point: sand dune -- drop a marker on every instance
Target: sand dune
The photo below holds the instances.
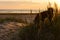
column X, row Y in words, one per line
column 9, row 31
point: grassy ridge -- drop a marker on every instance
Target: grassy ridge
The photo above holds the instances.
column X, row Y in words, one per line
column 30, row 32
column 11, row 19
column 50, row 32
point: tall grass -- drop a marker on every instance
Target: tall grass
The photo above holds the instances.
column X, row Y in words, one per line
column 48, row 32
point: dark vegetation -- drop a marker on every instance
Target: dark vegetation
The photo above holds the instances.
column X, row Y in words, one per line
column 31, row 32
column 47, row 32
column 11, row 19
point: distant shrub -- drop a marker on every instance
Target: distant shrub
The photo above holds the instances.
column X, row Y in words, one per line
column 11, row 19
column 2, row 20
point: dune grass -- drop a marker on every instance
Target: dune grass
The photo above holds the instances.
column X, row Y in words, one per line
column 11, row 19
column 49, row 32
column 31, row 32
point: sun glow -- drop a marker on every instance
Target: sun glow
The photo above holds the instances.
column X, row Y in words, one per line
column 56, row 1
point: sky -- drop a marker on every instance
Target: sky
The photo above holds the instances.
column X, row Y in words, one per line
column 25, row 4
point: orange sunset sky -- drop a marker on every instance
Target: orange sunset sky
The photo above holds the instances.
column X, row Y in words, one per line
column 26, row 4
